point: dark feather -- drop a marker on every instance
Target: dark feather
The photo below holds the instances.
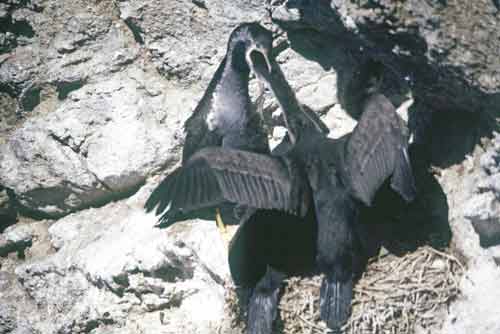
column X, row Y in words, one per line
column 197, row 133
column 377, row 149
column 217, row 175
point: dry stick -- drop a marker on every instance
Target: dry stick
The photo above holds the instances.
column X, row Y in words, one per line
column 392, row 296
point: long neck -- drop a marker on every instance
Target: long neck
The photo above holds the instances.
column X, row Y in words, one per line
column 236, row 58
column 230, row 99
column 296, row 119
column 234, row 82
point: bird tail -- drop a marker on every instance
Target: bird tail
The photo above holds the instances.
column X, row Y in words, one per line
column 263, row 306
column 335, row 302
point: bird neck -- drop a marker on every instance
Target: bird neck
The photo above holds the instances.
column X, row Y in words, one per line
column 297, row 121
column 234, row 79
column 236, row 58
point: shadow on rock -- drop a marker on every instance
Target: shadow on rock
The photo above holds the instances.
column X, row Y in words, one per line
column 400, row 227
column 397, row 226
column 451, row 112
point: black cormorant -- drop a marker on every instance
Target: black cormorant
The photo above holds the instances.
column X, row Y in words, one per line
column 344, row 174
column 227, row 164
column 224, row 117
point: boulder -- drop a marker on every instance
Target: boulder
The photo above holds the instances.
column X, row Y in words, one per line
column 113, row 268
column 99, row 145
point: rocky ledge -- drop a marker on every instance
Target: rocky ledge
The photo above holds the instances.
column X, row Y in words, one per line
column 93, row 95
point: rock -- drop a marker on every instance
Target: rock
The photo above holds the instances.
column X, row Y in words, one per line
column 7, row 211
column 191, row 40
column 73, row 43
column 15, row 238
column 483, row 209
column 114, row 270
column 13, row 301
column 82, row 83
column 338, row 121
column 8, row 117
column 476, row 311
column 488, row 231
column 7, row 321
column 472, row 215
column 443, row 47
column 438, row 44
column 490, row 163
column 92, row 101
column 481, row 206
column 100, row 144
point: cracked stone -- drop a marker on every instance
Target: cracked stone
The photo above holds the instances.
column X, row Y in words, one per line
column 98, row 146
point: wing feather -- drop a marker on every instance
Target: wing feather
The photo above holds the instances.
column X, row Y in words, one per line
column 377, row 150
column 216, row 175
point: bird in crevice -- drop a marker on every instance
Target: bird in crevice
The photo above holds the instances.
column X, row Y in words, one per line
column 319, row 182
column 227, row 170
column 344, row 175
column 225, row 115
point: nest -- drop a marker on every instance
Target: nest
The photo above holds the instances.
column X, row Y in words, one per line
column 395, row 295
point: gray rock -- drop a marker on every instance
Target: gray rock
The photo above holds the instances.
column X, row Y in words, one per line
column 13, row 306
column 15, row 238
column 434, row 47
column 92, row 101
column 7, row 321
column 99, row 144
column 476, row 311
column 8, row 117
column 71, row 42
column 7, row 211
column 114, row 270
column 488, row 231
column 188, row 42
column 481, row 206
column 490, row 163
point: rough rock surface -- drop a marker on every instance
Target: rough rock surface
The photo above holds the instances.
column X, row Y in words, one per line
column 100, row 143
column 7, row 211
column 111, row 267
column 93, row 95
column 472, row 199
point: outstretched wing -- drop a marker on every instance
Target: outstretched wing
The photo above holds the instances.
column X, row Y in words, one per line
column 216, row 175
column 377, row 150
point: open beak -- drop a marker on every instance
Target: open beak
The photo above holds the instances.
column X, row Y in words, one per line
column 258, row 59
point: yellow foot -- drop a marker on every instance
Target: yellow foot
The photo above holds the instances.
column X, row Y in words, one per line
column 226, row 236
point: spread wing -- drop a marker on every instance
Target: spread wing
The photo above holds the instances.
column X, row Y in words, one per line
column 216, row 175
column 378, row 149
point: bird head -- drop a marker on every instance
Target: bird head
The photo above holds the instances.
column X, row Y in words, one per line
column 255, row 42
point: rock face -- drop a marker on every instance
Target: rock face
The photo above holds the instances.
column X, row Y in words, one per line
column 93, row 96
column 100, row 143
column 110, row 263
column 7, row 212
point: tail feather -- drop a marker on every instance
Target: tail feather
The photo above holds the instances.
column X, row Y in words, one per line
column 263, row 306
column 335, row 302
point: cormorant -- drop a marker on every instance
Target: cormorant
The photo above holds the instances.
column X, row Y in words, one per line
column 344, row 174
column 224, row 117
column 227, row 165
